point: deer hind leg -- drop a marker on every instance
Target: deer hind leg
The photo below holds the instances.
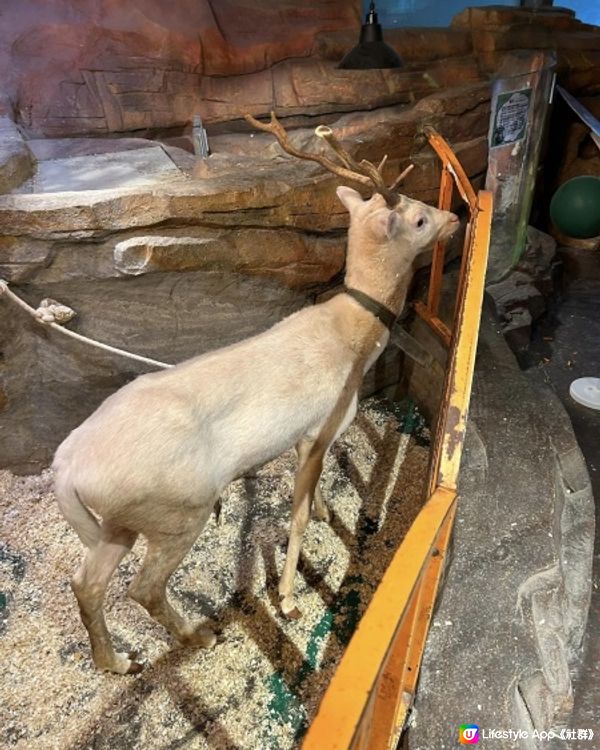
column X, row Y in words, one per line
column 149, row 588
column 89, row 586
column 310, row 465
column 320, row 511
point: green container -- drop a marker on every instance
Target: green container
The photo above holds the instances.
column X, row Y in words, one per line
column 575, row 207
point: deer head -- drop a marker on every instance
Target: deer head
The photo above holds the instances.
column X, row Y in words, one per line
column 412, row 224
column 387, row 231
column 383, row 242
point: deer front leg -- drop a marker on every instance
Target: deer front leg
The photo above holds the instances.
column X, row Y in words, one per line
column 320, row 511
column 310, row 456
column 310, row 466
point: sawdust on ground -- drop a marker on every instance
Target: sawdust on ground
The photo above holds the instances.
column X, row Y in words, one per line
column 261, row 685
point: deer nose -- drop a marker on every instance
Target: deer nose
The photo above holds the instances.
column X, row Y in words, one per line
column 452, row 225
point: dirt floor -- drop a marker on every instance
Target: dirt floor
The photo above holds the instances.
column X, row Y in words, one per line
column 260, row 686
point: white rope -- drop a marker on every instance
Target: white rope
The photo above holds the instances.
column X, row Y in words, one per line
column 49, row 311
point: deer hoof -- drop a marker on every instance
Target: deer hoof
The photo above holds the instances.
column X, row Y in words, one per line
column 322, row 513
column 295, row 614
column 201, row 637
column 135, row 667
column 121, row 664
column 289, row 609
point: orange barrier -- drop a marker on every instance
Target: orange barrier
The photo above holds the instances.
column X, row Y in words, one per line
column 372, row 690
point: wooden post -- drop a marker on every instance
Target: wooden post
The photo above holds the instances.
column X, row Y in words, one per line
column 520, row 99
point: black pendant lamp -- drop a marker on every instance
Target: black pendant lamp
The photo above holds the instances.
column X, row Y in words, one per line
column 371, row 51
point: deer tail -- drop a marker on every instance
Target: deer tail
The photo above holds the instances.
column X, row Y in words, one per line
column 76, row 514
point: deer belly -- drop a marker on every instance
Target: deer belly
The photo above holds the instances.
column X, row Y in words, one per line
column 266, row 427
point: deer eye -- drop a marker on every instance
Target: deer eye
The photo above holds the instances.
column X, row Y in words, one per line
column 421, row 222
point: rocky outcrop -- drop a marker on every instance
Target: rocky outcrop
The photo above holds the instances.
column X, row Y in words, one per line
column 522, row 297
column 498, row 29
column 106, row 69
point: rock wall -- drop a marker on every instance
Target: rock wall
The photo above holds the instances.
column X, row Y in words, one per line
column 107, row 67
column 97, row 66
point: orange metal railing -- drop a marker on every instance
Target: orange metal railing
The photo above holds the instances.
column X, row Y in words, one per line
column 372, row 690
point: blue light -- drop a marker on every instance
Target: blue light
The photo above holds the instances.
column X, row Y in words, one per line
column 395, row 13
column 587, row 11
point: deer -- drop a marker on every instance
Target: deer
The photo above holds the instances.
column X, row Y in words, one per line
column 156, row 455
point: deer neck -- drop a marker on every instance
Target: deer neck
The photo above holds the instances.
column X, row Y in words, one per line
column 381, row 283
column 368, row 274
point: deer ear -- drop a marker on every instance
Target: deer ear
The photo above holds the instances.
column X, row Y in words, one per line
column 349, row 197
column 393, row 225
column 387, row 223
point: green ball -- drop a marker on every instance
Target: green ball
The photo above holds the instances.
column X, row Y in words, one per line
column 575, row 207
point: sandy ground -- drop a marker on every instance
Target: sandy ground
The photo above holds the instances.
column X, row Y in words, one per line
column 260, row 686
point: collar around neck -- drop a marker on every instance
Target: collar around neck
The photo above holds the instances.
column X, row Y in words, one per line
column 381, row 312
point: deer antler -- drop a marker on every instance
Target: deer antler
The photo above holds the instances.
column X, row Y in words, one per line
column 401, row 177
column 362, row 172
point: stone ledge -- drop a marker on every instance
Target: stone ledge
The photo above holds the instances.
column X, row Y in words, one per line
column 289, row 195
column 314, row 86
column 295, row 259
column 266, row 188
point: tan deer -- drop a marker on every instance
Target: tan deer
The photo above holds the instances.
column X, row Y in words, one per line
column 155, row 456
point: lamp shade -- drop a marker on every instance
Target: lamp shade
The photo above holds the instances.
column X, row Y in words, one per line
column 371, row 51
